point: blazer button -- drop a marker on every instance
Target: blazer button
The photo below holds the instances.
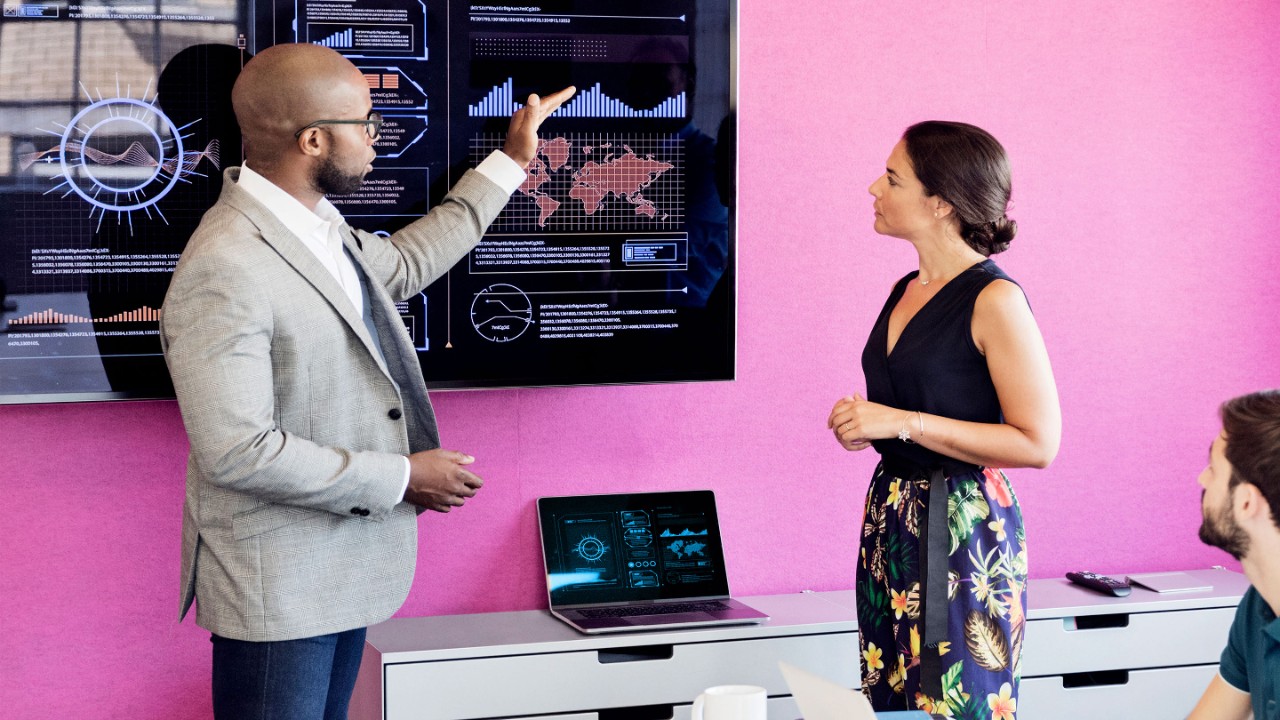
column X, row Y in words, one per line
column 395, row 414
column 359, row 511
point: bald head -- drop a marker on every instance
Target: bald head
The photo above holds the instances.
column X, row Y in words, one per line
column 286, row 87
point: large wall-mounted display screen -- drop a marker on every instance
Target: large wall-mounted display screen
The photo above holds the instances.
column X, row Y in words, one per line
column 613, row 263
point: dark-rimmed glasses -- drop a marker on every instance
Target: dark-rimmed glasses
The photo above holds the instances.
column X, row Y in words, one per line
column 372, row 125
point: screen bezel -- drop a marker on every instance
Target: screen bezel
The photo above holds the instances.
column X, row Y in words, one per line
column 149, row 379
column 551, row 509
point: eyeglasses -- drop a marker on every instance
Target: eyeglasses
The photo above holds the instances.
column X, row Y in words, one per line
column 372, row 125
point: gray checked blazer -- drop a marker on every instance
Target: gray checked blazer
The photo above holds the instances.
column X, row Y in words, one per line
column 293, row 525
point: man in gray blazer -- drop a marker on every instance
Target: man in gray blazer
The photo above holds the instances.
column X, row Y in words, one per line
column 313, row 443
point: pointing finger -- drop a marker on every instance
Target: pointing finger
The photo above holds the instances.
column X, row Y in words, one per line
column 552, row 102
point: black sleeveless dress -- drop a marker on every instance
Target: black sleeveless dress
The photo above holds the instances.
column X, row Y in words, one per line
column 952, row 646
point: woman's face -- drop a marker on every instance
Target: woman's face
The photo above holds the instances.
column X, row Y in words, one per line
column 902, row 207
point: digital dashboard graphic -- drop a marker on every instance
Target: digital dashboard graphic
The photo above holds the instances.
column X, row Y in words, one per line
column 135, row 179
column 590, row 103
column 600, row 547
column 613, row 262
column 596, row 182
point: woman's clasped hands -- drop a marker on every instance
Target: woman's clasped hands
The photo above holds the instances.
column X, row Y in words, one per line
column 855, row 421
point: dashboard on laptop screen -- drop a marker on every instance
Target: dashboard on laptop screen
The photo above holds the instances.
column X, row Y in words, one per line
column 601, row 549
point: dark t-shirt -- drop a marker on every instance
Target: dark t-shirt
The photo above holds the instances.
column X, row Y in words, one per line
column 1251, row 661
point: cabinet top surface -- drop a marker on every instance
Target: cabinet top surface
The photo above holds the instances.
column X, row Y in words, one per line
column 529, row 632
column 537, row 631
column 1058, row 597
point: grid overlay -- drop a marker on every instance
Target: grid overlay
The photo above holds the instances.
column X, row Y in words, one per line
column 614, row 213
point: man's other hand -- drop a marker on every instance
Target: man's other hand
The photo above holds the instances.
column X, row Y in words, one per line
column 440, row 481
column 522, row 134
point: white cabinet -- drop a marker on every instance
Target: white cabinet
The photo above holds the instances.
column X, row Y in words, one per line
column 521, row 664
column 1147, row 655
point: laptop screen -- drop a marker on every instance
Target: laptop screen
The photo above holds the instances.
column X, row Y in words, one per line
column 625, row 547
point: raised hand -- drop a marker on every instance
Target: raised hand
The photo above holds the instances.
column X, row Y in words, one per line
column 522, row 133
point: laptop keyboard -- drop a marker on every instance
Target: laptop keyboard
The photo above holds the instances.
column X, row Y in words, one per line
column 663, row 609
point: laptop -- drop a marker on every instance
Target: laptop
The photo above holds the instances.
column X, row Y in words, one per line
column 638, row 561
column 821, row 699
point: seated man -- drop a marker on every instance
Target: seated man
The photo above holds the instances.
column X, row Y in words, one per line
column 1241, row 505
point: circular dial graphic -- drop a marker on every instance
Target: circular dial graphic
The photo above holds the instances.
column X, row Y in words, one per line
column 121, row 155
column 590, row 548
column 501, row 312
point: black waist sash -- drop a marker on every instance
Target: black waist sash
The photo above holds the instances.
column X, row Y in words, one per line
column 935, row 548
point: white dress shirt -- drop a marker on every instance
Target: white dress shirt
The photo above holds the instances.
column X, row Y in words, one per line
column 320, row 231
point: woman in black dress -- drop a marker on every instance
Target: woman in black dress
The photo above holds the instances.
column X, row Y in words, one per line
column 958, row 385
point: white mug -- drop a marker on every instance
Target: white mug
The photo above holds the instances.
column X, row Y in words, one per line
column 731, row 702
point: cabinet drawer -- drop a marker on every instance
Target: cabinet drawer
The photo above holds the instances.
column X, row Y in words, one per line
column 575, row 682
column 1165, row 694
column 779, row 708
column 1056, row 646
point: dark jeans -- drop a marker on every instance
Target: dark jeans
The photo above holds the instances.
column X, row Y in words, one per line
column 306, row 679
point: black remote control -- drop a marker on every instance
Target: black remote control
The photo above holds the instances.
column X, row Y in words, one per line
column 1104, row 584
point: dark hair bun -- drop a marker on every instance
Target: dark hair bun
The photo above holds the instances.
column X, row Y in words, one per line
column 991, row 238
column 964, row 165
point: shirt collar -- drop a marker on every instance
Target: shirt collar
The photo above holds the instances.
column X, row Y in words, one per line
column 295, row 216
column 1266, row 618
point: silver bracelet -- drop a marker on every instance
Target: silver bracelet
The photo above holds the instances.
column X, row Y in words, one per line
column 904, row 432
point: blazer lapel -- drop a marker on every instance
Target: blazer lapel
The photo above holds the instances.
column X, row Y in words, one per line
column 399, row 352
column 386, row 317
column 304, row 262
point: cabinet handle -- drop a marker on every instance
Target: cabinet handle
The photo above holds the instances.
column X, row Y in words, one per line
column 1095, row 622
column 640, row 712
column 1098, row 678
column 637, row 654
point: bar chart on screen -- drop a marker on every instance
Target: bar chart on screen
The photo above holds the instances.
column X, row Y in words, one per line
column 589, row 103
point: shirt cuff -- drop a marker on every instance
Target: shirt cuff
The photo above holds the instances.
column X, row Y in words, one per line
column 405, row 487
column 503, row 171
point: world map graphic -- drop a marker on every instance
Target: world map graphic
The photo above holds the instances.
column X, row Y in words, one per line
column 604, row 171
column 687, row 549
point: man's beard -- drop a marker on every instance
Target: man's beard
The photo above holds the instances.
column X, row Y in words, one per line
column 1220, row 530
column 330, row 180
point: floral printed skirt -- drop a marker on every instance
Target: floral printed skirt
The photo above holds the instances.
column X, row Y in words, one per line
column 981, row 659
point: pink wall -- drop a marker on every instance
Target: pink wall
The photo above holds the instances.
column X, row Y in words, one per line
column 1144, row 153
